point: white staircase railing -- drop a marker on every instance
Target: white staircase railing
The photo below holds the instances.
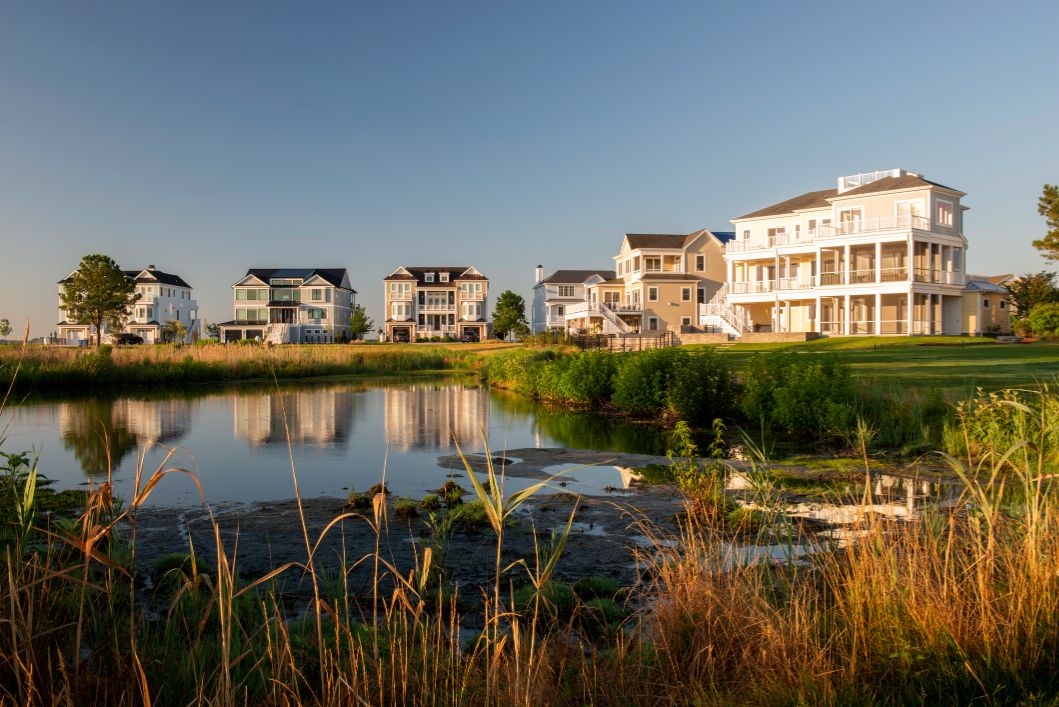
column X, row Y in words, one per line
column 617, row 322
column 735, row 317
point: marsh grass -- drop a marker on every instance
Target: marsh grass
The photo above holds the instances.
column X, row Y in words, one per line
column 955, row 606
column 42, row 367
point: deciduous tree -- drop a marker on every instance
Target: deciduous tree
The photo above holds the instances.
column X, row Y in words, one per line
column 510, row 315
column 359, row 322
column 98, row 293
column 5, row 327
column 1031, row 290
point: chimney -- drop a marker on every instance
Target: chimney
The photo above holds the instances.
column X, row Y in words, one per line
column 540, row 274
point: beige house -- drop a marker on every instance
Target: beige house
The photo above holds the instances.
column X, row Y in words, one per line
column 986, row 307
column 436, row 301
column 659, row 283
column 883, row 253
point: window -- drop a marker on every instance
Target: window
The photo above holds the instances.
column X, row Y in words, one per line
column 700, row 262
column 619, row 268
column 317, row 295
column 316, row 313
column 746, row 235
column 566, row 290
column 685, row 321
column 429, row 277
column 944, row 215
column 1003, row 304
column 652, row 323
column 444, row 277
column 685, row 294
column 812, row 225
column 560, row 311
column 985, row 303
column 652, row 264
column 652, row 294
column 400, row 289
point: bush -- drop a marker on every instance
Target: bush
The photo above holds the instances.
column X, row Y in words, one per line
column 589, row 378
column 806, row 397
column 644, row 379
column 702, row 389
column 1044, row 319
column 596, row 587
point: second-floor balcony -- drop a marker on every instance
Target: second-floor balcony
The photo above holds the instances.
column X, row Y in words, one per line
column 438, row 307
column 845, row 279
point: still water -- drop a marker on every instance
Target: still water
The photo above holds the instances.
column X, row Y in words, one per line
column 342, row 436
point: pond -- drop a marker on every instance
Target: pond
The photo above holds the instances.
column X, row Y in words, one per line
column 343, row 435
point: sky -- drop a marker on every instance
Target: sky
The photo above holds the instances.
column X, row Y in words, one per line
column 207, row 138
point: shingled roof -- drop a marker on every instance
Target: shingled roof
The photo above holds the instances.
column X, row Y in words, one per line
column 418, row 273
column 333, row 276
column 140, row 276
column 808, row 200
column 905, row 181
column 576, row 276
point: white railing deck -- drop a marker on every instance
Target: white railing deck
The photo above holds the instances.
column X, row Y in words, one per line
column 840, row 279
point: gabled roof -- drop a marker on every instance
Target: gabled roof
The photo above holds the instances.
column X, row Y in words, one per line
column 576, row 277
column 1001, row 279
column 146, row 276
column 336, row 277
column 655, row 240
column 905, row 181
column 808, row 200
column 418, row 273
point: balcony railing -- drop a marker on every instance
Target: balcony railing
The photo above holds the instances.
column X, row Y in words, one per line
column 752, row 287
column 436, row 307
column 874, row 225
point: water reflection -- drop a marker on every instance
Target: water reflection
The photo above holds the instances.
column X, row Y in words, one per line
column 426, row 416
column 343, row 435
column 315, row 416
column 102, row 432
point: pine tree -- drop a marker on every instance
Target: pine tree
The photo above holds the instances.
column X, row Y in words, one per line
column 98, row 293
column 1048, row 207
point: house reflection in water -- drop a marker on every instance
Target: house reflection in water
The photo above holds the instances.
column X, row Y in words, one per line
column 321, row 417
column 98, row 429
column 425, row 416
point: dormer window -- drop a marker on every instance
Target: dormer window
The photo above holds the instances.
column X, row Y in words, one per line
column 428, row 277
column 443, row 277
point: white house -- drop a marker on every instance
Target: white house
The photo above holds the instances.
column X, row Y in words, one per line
column 553, row 294
column 164, row 297
column 291, row 306
column 883, row 253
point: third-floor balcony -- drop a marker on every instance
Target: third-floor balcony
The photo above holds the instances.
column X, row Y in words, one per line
column 829, row 280
column 874, row 225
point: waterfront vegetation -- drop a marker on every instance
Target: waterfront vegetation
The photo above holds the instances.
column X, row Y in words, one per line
column 76, row 369
column 957, row 605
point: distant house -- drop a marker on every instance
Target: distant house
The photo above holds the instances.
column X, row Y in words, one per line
column 435, row 301
column 660, row 280
column 553, row 294
column 291, row 306
column 164, row 297
column 986, row 307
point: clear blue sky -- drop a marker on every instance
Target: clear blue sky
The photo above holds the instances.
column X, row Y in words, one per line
column 210, row 137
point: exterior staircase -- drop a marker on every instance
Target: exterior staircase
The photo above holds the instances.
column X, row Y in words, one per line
column 723, row 316
column 612, row 323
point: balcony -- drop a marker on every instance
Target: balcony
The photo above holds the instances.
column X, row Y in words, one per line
column 437, row 307
column 874, row 225
column 777, row 241
column 627, row 308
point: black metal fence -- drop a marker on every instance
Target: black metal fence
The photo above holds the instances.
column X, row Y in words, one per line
column 629, row 342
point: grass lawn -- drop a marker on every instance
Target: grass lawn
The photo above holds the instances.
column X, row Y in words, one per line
column 960, row 366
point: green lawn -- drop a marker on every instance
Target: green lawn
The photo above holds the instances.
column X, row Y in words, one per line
column 960, row 366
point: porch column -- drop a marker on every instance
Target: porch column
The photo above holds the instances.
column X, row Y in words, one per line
column 731, row 271
column 878, row 313
column 910, row 298
column 817, row 279
column 816, row 320
column 911, row 264
column 878, row 262
column 845, row 315
column 845, row 269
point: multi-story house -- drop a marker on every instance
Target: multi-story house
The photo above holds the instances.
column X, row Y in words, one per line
column 883, row 253
column 163, row 297
column 659, row 282
column 553, row 294
column 435, row 301
column 291, row 306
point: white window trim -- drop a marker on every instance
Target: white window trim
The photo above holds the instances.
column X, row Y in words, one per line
column 952, row 212
column 649, row 291
column 685, row 294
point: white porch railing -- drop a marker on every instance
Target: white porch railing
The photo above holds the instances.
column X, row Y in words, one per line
column 873, row 225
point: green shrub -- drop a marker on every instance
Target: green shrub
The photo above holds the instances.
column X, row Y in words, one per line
column 702, row 389
column 430, row 502
column 644, row 379
column 406, row 508
column 1044, row 319
column 804, row 396
column 589, row 378
column 557, row 601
